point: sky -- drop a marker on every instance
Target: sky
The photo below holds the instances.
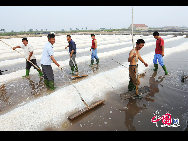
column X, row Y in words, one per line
column 23, row 18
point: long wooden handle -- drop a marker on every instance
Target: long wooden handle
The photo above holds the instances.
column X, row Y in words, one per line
column 22, row 55
column 81, row 97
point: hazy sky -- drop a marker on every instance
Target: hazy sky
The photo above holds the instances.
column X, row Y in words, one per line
column 93, row 17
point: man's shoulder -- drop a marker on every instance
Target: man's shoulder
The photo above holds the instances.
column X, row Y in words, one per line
column 72, row 41
column 29, row 45
column 48, row 45
column 161, row 39
column 132, row 51
column 22, row 45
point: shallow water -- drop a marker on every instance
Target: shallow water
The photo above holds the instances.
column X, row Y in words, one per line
column 114, row 115
column 121, row 112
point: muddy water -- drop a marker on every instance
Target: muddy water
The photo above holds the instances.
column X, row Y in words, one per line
column 122, row 113
column 127, row 114
column 119, row 112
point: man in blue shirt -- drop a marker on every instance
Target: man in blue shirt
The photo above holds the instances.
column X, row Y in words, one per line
column 72, row 51
column 46, row 60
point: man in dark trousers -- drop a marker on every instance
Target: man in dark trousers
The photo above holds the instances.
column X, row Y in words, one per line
column 29, row 56
column 72, row 52
column 46, row 60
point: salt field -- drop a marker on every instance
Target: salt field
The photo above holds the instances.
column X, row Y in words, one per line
column 25, row 104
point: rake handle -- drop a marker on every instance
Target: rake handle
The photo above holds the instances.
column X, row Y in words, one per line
column 22, row 55
column 81, row 97
column 119, row 63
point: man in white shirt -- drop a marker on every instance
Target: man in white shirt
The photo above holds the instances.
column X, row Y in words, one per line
column 46, row 60
column 29, row 56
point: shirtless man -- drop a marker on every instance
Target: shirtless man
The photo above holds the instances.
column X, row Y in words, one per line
column 132, row 67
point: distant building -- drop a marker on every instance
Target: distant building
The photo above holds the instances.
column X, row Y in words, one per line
column 139, row 27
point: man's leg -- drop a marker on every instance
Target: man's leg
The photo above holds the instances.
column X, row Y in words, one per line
column 160, row 59
column 50, row 77
column 131, row 86
column 74, row 62
column 92, row 57
column 28, row 66
column 133, row 80
column 71, row 66
column 155, row 63
column 96, row 57
column 46, row 82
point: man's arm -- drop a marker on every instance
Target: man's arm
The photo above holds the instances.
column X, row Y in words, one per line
column 71, row 53
column 140, row 58
column 163, row 50
column 50, row 53
column 66, row 47
column 162, row 45
column 73, row 48
column 31, row 53
column 16, row 47
column 54, row 61
column 95, row 43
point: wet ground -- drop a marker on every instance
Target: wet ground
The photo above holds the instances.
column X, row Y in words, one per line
column 119, row 112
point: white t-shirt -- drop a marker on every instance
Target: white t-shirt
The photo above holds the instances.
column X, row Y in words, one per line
column 27, row 49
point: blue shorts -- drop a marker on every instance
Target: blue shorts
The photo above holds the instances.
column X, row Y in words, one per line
column 158, row 57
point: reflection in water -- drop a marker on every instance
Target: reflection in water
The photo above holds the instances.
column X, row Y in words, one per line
column 154, row 86
column 132, row 108
column 3, row 94
column 130, row 112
